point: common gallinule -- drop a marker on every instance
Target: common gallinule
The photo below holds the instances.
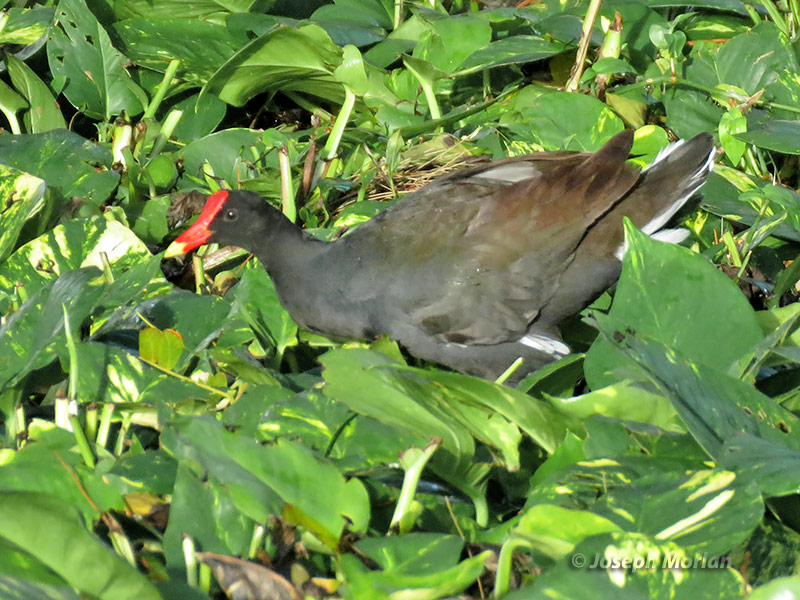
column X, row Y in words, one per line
column 477, row 268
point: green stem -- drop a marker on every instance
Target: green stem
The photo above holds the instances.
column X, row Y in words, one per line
column 189, row 558
column 161, row 90
column 503, row 576
column 82, row 442
column 287, row 189
column 337, row 131
column 510, row 370
column 398, row 14
column 256, row 540
column 91, row 421
column 338, row 433
column 13, row 122
column 794, row 6
column 19, row 415
column 412, row 130
column 105, row 425
column 430, row 96
column 413, row 462
column 776, row 16
column 170, row 123
column 119, row 447
column 583, row 46
column 108, row 275
column 751, row 10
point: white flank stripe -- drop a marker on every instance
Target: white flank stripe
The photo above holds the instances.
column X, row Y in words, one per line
column 545, row 344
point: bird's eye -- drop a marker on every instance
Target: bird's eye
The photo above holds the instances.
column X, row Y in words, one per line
column 230, row 215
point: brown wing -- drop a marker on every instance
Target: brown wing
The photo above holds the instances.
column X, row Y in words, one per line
column 478, row 267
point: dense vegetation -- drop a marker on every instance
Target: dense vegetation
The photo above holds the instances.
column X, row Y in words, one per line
column 160, row 426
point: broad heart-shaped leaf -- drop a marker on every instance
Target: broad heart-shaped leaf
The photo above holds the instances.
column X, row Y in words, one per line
column 110, row 374
column 537, row 116
column 29, row 336
column 554, row 530
column 766, row 54
column 205, row 10
column 54, row 534
column 708, row 511
column 81, row 51
column 453, row 40
column 774, row 134
column 66, row 161
column 357, row 22
column 780, row 587
column 163, row 348
column 256, row 301
column 30, row 586
column 774, row 468
column 285, row 59
column 229, row 152
column 512, row 50
column 371, row 383
column 714, row 406
column 25, row 25
column 536, row 418
column 43, row 113
column 672, row 295
column 40, row 467
column 179, row 311
column 361, row 582
column 653, row 571
column 264, row 481
column 413, row 553
column 201, row 47
column 25, row 197
column 204, row 511
column 75, row 244
column 704, row 510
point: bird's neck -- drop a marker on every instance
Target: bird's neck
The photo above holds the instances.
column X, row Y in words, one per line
column 289, row 251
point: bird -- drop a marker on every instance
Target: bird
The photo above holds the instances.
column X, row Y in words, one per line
column 476, row 269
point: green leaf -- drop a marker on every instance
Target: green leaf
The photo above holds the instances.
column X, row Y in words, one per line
column 732, row 124
column 774, row 468
column 781, row 587
column 11, row 103
column 26, row 25
column 413, row 553
column 661, row 284
column 454, row 40
column 163, row 348
column 362, row 583
column 714, row 406
column 202, row 47
column 66, row 161
column 554, row 530
column 256, row 301
column 588, row 573
column 539, row 117
column 43, row 113
column 81, row 51
column 285, row 59
column 26, row 197
column 55, row 535
column 261, row 481
column 518, row 49
column 205, row 511
column 206, row 10
column 73, row 245
column 29, row 337
column 781, row 136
